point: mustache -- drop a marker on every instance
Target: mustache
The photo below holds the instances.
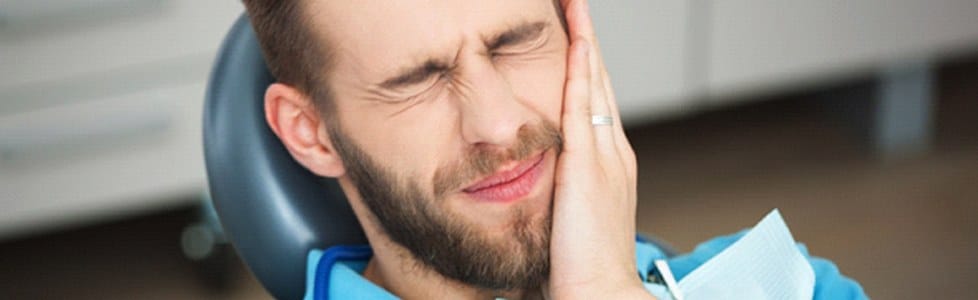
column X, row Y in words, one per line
column 479, row 162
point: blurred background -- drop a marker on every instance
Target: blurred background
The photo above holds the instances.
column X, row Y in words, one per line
column 856, row 118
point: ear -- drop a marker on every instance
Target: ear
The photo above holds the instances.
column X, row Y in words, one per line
column 298, row 124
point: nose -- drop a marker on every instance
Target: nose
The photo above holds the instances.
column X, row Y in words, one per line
column 491, row 112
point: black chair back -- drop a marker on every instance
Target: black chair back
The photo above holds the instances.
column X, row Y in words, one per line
column 272, row 209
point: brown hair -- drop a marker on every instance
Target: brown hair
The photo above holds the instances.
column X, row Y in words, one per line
column 292, row 51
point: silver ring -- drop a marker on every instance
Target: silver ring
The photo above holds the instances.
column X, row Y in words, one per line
column 601, row 120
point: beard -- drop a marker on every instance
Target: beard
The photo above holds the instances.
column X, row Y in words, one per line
column 443, row 241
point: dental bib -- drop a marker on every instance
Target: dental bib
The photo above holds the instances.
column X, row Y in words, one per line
column 764, row 264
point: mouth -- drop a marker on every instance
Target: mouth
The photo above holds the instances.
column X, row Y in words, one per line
column 508, row 184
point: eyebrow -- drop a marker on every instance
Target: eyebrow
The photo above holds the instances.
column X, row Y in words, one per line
column 526, row 31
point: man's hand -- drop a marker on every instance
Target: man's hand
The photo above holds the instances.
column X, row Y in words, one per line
column 593, row 240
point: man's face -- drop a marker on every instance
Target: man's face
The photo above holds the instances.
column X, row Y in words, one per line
column 447, row 114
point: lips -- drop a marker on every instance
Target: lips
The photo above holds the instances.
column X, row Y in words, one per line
column 508, row 185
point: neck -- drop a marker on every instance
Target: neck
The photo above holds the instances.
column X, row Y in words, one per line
column 395, row 270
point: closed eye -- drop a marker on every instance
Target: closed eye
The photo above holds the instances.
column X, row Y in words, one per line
column 429, row 92
column 416, row 75
column 523, row 48
column 431, row 84
column 519, row 39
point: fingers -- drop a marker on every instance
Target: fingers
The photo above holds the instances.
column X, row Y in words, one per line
column 576, row 119
column 603, row 102
column 604, row 135
column 581, row 28
column 578, row 19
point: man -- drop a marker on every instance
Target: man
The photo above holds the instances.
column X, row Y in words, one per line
column 478, row 143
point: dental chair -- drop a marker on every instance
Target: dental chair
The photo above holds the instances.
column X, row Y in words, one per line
column 272, row 209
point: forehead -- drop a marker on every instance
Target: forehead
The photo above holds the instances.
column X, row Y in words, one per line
column 385, row 32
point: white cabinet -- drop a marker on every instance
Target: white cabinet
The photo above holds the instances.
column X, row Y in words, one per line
column 673, row 56
column 101, row 116
column 757, row 45
column 71, row 49
column 99, row 159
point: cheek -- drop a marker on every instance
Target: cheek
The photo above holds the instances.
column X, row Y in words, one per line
column 419, row 141
column 394, row 143
column 540, row 84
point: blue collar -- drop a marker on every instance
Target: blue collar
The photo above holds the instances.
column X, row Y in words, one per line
column 336, row 272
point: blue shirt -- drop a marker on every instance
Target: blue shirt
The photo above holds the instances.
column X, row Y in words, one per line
column 335, row 273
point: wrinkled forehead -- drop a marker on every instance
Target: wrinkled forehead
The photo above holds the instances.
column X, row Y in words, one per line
column 383, row 32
